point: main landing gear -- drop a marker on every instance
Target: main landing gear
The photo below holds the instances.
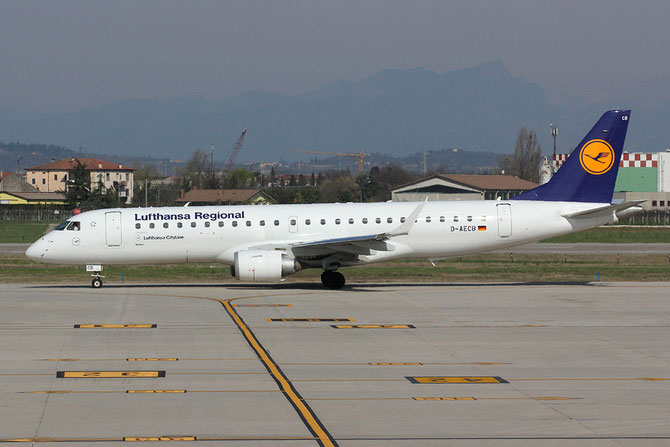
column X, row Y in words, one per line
column 332, row 279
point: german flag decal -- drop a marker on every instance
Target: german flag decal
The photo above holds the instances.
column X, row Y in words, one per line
column 481, row 228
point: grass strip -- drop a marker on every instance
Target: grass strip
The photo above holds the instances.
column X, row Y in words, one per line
column 617, row 234
column 20, row 231
column 480, row 268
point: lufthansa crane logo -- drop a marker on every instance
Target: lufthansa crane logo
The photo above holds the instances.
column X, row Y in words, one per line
column 597, row 157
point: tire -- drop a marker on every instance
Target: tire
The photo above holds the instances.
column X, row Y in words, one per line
column 332, row 280
column 337, row 281
column 96, row 283
column 326, row 278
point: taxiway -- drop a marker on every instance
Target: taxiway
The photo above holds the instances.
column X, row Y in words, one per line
column 413, row 364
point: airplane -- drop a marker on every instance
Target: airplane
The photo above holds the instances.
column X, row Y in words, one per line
column 266, row 243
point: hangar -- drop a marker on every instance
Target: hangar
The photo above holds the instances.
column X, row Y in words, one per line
column 461, row 187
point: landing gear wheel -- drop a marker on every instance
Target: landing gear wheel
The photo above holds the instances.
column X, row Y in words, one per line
column 96, row 283
column 332, row 280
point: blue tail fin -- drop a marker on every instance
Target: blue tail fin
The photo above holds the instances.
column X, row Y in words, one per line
column 589, row 173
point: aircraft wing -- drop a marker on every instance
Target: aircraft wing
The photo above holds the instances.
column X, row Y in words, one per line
column 366, row 240
column 349, row 245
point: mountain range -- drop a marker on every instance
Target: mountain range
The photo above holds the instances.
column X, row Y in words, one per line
column 396, row 112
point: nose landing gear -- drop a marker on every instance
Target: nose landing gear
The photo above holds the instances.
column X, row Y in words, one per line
column 96, row 270
column 332, row 279
column 97, row 281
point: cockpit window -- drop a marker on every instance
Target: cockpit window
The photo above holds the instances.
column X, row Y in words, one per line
column 61, row 226
column 74, row 226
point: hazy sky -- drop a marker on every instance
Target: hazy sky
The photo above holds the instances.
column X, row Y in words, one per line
column 64, row 55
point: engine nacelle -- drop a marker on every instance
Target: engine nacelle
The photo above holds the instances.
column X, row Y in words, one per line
column 263, row 265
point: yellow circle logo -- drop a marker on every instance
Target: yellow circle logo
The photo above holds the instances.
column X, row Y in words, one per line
column 597, row 157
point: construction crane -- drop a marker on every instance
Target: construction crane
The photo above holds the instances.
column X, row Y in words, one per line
column 360, row 156
column 236, row 150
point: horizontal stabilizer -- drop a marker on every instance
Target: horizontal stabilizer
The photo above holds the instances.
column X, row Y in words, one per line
column 594, row 212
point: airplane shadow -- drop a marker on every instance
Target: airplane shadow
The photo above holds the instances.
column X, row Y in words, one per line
column 358, row 287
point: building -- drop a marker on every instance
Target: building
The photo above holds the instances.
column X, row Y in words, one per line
column 31, row 198
column 226, row 197
column 15, row 191
column 53, row 177
column 641, row 176
column 461, row 187
column 14, row 183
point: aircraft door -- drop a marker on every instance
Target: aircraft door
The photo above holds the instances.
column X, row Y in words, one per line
column 504, row 219
column 113, row 228
column 293, row 224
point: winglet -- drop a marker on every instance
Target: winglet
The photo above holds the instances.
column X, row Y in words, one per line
column 404, row 228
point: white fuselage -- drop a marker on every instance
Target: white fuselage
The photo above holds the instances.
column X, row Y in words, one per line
column 216, row 233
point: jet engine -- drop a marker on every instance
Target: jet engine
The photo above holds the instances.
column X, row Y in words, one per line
column 263, row 265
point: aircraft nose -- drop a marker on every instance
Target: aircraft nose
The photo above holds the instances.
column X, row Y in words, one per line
column 36, row 250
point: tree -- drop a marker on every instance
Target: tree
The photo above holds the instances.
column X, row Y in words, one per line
column 377, row 185
column 239, row 178
column 195, row 172
column 81, row 194
column 282, row 195
column 146, row 172
column 525, row 163
column 101, row 197
column 309, row 195
column 342, row 188
column 78, row 185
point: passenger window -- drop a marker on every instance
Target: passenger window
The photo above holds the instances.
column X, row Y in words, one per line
column 276, row 223
column 428, row 219
column 248, row 223
column 455, row 218
column 74, row 226
column 365, row 220
column 323, row 221
column 206, row 224
column 220, row 223
column 261, row 223
column 402, row 219
column 138, row 225
column 469, row 218
column 337, row 221
column 378, row 220
column 442, row 219
column 234, row 223
column 179, row 224
column 293, row 222
column 389, row 220
column 165, row 225
column 483, row 218
column 307, row 221
column 192, row 224
column 152, row 225
column 351, row 221
column 62, row 226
